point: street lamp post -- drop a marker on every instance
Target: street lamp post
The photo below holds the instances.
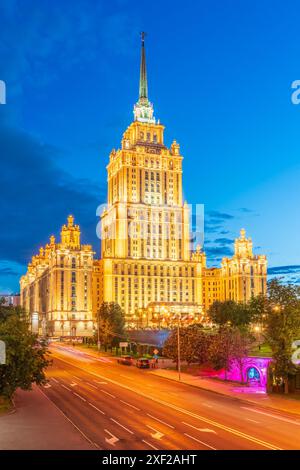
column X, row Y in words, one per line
column 178, row 349
column 98, row 332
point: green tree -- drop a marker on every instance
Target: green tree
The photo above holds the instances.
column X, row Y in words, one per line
column 243, row 342
column 282, row 327
column 229, row 313
column 279, row 314
column 25, row 358
column 111, row 324
column 193, row 345
column 221, row 348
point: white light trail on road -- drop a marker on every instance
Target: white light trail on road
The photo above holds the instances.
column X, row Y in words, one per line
column 199, row 429
column 95, row 407
column 121, row 425
column 131, row 406
column 107, row 393
column 281, row 418
column 160, row 421
column 67, row 388
column 75, row 377
column 91, row 385
column 252, row 420
column 200, row 442
column 150, row 445
column 79, row 396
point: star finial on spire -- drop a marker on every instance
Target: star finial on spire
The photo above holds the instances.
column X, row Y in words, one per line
column 143, row 34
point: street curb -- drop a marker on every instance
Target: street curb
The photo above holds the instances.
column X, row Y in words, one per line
column 242, row 400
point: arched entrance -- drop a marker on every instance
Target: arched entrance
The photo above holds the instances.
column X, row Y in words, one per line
column 253, row 376
column 73, row 331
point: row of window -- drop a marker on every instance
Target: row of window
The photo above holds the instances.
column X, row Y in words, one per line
column 154, row 270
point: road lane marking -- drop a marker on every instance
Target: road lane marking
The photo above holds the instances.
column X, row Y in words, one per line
column 127, row 377
column 281, row 418
column 100, row 411
column 252, row 420
column 121, row 425
column 150, row 445
column 73, row 384
column 199, row 429
column 79, row 396
column 206, row 404
column 107, row 393
column 101, row 359
column 113, row 440
column 75, row 377
column 67, row 388
column 160, row 421
column 91, row 385
column 158, row 435
column 181, row 410
column 47, row 385
column 52, row 378
column 200, row 442
column 70, row 421
column 131, row 406
column 98, row 382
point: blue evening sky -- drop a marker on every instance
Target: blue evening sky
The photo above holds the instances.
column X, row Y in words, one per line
column 220, row 75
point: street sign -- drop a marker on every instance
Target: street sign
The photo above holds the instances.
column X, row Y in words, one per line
column 2, row 352
column 123, row 344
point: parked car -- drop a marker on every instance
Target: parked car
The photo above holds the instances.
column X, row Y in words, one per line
column 54, row 339
column 125, row 360
column 143, row 363
column 43, row 341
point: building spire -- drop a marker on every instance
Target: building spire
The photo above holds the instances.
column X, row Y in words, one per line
column 143, row 109
column 143, row 92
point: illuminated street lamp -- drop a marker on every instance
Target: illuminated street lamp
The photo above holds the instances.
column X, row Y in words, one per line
column 178, row 315
column 98, row 331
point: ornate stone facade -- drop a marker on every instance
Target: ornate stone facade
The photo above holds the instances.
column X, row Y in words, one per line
column 56, row 291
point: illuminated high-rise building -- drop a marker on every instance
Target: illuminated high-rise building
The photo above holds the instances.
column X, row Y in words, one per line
column 241, row 277
column 56, row 291
column 146, row 252
column 147, row 263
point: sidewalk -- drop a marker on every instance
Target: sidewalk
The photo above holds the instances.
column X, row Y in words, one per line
column 36, row 424
column 239, row 392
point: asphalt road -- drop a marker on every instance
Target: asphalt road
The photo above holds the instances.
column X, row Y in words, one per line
column 121, row 407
